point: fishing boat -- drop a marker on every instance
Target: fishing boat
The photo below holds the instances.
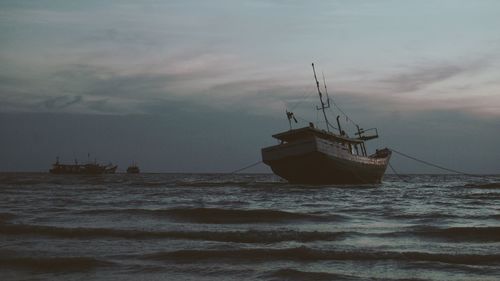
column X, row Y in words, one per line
column 82, row 169
column 310, row 155
column 133, row 169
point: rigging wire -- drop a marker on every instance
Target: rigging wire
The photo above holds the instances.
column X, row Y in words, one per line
column 348, row 119
column 304, row 98
column 306, row 120
column 335, row 104
column 308, row 95
column 317, row 121
column 343, row 113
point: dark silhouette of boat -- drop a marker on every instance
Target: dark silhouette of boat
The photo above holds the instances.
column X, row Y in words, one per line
column 82, row 169
column 310, row 155
column 133, row 169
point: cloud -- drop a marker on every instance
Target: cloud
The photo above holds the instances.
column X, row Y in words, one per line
column 420, row 78
column 466, row 85
column 122, row 56
column 423, row 75
column 100, row 81
column 225, row 81
column 61, row 102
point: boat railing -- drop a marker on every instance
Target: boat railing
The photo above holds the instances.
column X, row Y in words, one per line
column 361, row 134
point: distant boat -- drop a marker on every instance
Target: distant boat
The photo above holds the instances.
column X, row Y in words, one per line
column 82, row 169
column 310, row 155
column 133, row 169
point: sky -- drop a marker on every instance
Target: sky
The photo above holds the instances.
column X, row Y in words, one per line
column 200, row 86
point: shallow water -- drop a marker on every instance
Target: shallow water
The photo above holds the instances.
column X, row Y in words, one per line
column 247, row 227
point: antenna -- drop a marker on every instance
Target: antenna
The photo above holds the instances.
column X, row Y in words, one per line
column 323, row 106
column 340, row 128
column 290, row 116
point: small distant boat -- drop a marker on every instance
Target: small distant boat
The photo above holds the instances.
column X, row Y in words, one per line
column 310, row 155
column 133, row 169
column 82, row 169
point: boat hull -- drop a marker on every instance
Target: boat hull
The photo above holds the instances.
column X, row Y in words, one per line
column 317, row 161
column 76, row 169
column 133, row 170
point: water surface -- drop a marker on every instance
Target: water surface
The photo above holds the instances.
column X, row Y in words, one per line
column 247, row 227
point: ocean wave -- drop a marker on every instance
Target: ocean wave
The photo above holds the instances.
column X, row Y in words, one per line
column 6, row 217
column 211, row 183
column 457, row 268
column 492, row 185
column 218, row 183
column 20, row 180
column 459, row 234
column 35, row 179
column 152, row 183
column 487, row 196
column 293, row 274
column 250, row 236
column 144, row 182
column 50, row 264
column 305, row 254
column 223, row 216
column 434, row 215
column 217, row 215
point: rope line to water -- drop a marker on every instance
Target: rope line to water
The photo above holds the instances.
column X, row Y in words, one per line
column 246, row 167
column 390, row 166
column 396, row 173
column 439, row 166
column 235, row 171
column 434, row 165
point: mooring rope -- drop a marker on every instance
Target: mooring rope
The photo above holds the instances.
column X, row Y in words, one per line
column 396, row 173
column 430, row 164
column 390, row 166
column 438, row 166
column 235, row 171
column 246, row 167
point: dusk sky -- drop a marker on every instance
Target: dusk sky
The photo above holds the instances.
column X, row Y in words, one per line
column 200, row 86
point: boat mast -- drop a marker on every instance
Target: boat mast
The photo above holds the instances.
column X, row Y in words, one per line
column 323, row 106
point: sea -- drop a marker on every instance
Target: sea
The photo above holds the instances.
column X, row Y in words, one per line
column 247, row 227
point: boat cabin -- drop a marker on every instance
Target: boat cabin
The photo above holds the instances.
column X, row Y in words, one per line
column 355, row 146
